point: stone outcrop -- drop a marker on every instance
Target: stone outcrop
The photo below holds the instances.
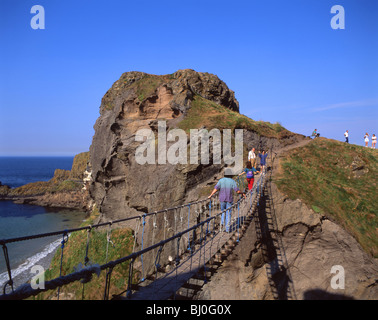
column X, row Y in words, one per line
column 4, row 189
column 120, row 186
column 137, row 100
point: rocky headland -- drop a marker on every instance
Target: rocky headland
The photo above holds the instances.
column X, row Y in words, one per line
column 187, row 99
column 310, row 241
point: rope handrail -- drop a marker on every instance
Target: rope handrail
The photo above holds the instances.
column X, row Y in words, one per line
column 86, row 273
column 26, row 290
column 60, row 232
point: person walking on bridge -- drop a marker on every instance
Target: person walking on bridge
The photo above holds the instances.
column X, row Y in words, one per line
column 226, row 186
column 262, row 156
column 252, row 157
column 250, row 172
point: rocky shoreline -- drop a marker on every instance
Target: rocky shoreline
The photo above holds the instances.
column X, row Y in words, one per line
column 67, row 200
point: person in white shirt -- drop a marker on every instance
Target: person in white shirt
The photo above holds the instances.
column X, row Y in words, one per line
column 366, row 138
column 252, row 157
column 373, row 141
column 346, row 135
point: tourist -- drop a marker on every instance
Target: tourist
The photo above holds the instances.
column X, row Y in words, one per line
column 252, row 157
column 366, row 138
column 346, row 135
column 262, row 157
column 315, row 133
column 373, row 141
column 226, row 186
column 250, row 172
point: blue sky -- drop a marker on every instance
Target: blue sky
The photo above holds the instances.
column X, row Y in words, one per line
column 282, row 58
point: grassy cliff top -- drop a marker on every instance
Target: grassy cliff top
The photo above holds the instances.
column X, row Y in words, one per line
column 338, row 180
column 208, row 114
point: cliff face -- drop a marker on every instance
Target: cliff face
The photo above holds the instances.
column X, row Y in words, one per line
column 185, row 99
column 136, row 101
column 291, row 252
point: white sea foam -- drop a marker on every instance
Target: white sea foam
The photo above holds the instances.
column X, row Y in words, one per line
column 29, row 262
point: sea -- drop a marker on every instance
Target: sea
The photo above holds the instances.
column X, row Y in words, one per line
column 17, row 220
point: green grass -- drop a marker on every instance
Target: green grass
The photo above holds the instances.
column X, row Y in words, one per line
column 74, row 254
column 66, row 186
column 321, row 174
column 43, row 187
column 147, row 86
column 208, row 114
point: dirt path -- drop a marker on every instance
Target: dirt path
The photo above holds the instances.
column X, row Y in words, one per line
column 277, row 154
column 298, row 144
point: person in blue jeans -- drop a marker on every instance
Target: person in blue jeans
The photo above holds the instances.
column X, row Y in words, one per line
column 226, row 186
column 262, row 157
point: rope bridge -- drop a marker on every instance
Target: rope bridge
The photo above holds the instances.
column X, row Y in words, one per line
column 191, row 236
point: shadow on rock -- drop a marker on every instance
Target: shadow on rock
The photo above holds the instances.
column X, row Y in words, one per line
column 318, row 294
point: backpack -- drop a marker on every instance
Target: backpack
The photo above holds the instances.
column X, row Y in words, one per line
column 250, row 174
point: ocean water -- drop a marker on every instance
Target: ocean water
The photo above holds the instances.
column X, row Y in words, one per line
column 18, row 220
column 17, row 171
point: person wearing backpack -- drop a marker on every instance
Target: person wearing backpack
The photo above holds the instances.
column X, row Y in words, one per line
column 250, row 172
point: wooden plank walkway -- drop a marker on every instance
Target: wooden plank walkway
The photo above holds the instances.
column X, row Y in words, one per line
column 165, row 286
